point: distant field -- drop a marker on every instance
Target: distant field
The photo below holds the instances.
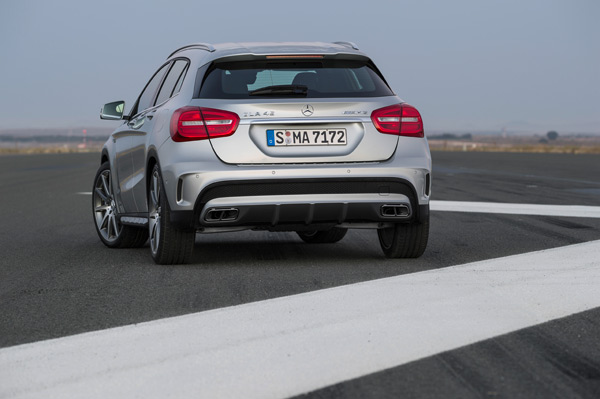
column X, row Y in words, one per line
column 51, row 141
column 440, row 145
column 573, row 144
column 48, row 150
column 475, row 143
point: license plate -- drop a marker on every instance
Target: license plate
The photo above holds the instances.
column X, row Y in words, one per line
column 290, row 137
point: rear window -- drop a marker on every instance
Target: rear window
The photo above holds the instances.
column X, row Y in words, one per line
column 292, row 79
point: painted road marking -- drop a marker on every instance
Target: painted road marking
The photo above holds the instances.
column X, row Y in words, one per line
column 580, row 211
column 291, row 345
column 517, row 209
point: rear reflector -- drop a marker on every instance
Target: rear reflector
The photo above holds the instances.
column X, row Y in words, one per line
column 194, row 123
column 398, row 119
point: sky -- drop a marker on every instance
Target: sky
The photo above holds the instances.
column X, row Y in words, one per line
column 467, row 65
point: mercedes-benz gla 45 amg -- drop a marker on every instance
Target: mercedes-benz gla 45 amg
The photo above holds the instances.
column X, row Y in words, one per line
column 304, row 137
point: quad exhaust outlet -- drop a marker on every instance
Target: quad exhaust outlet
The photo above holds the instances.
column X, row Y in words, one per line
column 394, row 211
column 222, row 214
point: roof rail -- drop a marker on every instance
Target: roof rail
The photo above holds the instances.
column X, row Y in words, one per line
column 347, row 44
column 202, row 46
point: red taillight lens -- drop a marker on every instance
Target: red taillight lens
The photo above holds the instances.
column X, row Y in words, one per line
column 387, row 120
column 398, row 119
column 194, row 123
column 219, row 123
column 411, row 123
column 187, row 125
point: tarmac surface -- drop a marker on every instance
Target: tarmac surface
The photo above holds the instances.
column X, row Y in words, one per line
column 57, row 279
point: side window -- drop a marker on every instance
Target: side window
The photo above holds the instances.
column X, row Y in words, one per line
column 173, row 77
column 145, row 100
column 180, row 81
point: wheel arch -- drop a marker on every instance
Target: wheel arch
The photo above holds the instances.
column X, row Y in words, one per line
column 104, row 157
column 151, row 161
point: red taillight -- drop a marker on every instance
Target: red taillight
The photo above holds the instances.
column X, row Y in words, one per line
column 194, row 123
column 187, row 124
column 398, row 119
column 219, row 123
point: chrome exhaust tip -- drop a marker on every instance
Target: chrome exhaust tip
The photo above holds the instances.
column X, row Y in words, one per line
column 395, row 211
column 221, row 214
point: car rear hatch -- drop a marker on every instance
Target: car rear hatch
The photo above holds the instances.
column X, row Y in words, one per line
column 297, row 110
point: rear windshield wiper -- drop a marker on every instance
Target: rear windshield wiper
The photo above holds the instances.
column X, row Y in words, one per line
column 299, row 90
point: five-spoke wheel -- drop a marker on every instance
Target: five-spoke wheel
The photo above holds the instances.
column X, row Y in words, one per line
column 106, row 215
column 154, row 211
column 104, row 208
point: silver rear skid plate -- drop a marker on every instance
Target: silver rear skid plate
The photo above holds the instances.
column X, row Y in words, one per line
column 305, row 208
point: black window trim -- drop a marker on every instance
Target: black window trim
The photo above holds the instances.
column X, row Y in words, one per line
column 134, row 108
column 203, row 70
column 155, row 94
column 200, row 76
column 164, row 79
column 181, row 78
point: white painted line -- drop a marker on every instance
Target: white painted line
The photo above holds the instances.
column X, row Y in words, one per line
column 517, row 209
column 580, row 211
column 291, row 345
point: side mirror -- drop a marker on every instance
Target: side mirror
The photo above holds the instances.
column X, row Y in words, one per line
column 113, row 111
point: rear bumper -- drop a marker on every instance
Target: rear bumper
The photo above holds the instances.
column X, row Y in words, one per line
column 304, row 209
column 271, row 195
column 294, row 204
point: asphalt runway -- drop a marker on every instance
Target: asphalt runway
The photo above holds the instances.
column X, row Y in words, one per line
column 57, row 279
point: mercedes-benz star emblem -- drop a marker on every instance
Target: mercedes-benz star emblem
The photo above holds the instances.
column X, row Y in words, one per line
column 307, row 110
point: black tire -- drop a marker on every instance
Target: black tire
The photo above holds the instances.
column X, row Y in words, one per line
column 405, row 240
column 104, row 210
column 323, row 237
column 168, row 244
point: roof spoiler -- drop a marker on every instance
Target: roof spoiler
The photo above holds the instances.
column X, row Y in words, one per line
column 351, row 45
column 202, row 46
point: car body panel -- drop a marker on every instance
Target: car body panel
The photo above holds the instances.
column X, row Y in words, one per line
column 365, row 143
column 188, row 168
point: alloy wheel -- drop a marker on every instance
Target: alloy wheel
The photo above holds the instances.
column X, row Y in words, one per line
column 105, row 209
column 154, row 211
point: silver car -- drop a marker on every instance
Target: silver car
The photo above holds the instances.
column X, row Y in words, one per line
column 304, row 137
